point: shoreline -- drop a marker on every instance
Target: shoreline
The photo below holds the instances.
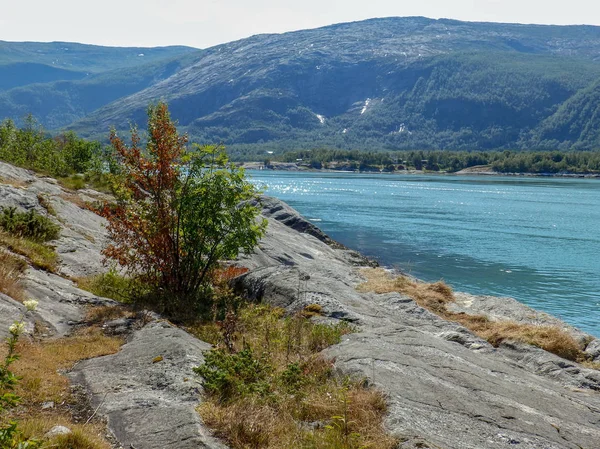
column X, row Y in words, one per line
column 292, row 167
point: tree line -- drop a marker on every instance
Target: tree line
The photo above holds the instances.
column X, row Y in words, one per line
column 538, row 162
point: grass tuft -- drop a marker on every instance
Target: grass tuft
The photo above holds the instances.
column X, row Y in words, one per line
column 39, row 255
column 436, row 296
column 73, row 182
column 111, row 285
column 312, row 310
column 11, row 271
column 267, row 385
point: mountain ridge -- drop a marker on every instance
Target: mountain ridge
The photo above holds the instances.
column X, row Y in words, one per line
column 448, row 85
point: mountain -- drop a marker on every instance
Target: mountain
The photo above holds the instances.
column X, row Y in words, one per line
column 62, row 82
column 392, row 83
column 81, row 57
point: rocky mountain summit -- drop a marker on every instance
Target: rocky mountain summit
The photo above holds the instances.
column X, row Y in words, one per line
column 446, row 387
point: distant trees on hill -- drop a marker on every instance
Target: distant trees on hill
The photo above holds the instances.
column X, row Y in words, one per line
column 452, row 161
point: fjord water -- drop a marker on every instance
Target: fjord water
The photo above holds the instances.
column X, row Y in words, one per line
column 533, row 239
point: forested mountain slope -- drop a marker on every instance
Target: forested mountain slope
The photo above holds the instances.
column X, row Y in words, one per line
column 394, row 83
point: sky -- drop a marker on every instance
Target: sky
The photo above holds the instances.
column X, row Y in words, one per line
column 204, row 23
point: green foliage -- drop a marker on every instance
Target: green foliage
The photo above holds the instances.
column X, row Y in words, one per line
column 266, row 379
column 292, row 378
column 451, row 161
column 230, row 376
column 31, row 148
column 30, row 225
column 321, row 336
column 178, row 214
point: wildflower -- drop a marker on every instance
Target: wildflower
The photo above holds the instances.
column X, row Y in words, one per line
column 30, row 305
column 17, row 328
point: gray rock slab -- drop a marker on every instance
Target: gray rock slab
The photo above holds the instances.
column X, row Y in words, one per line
column 11, row 311
column 444, row 384
column 16, row 174
column 150, row 404
column 61, row 304
column 83, row 233
column 81, row 241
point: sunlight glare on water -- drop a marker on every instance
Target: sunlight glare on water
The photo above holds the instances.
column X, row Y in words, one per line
column 534, row 239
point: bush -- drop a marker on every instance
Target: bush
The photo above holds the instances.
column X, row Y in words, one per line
column 230, row 376
column 177, row 214
column 112, row 285
column 266, row 380
column 30, row 225
column 32, row 148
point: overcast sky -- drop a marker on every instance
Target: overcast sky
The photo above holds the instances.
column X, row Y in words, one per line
column 203, row 23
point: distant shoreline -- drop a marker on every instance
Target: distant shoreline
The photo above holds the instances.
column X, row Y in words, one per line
column 290, row 166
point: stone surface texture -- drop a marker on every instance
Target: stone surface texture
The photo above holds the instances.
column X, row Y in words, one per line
column 147, row 405
column 447, row 388
column 445, row 385
column 148, row 390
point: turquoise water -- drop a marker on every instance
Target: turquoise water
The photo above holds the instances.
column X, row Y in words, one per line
column 534, row 239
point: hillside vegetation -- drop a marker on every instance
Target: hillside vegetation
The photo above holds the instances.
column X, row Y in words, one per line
column 395, row 83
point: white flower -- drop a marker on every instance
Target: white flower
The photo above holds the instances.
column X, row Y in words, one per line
column 30, row 305
column 17, row 328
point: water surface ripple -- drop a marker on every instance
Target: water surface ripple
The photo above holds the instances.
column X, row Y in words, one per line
column 534, row 239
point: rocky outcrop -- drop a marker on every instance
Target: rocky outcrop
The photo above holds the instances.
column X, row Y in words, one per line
column 447, row 388
column 83, row 233
column 149, row 402
column 445, row 385
column 148, row 390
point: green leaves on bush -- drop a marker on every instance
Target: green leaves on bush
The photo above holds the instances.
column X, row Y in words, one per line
column 30, row 225
column 31, row 147
column 229, row 376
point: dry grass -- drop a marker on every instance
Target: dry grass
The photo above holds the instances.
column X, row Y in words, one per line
column 102, row 314
column 317, row 421
column 39, row 367
column 11, row 271
column 591, row 365
column 434, row 297
column 41, row 363
column 46, row 204
column 311, row 407
column 13, row 182
column 88, row 436
column 39, row 255
column 75, row 199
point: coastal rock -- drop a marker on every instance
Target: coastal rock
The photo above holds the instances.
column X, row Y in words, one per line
column 444, row 384
column 148, row 390
column 82, row 238
column 593, row 350
column 61, row 304
column 149, row 403
column 83, row 233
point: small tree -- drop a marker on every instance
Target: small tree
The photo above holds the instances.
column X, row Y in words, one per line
column 178, row 213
